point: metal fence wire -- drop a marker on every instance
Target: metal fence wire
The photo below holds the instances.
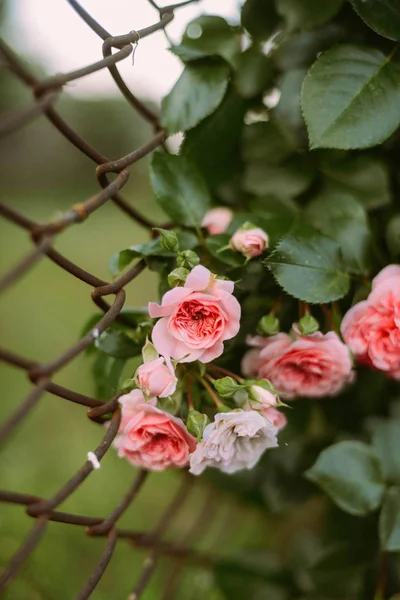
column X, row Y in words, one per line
column 46, row 93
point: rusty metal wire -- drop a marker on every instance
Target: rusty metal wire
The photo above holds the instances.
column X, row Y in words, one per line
column 46, row 92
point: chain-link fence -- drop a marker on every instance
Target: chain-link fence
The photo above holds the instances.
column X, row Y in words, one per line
column 112, row 176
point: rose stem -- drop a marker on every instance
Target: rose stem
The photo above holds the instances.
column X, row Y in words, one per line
column 225, row 372
column 328, row 317
column 189, row 393
column 276, row 304
column 209, row 389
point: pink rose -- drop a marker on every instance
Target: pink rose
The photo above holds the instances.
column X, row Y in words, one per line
column 196, row 319
column 315, row 366
column 250, row 242
column 275, row 417
column 151, row 438
column 263, row 397
column 371, row 328
column 217, row 220
column 157, row 377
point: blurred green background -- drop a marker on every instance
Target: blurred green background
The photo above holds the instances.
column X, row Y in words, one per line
column 40, row 316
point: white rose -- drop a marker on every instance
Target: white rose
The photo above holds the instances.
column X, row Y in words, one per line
column 234, row 441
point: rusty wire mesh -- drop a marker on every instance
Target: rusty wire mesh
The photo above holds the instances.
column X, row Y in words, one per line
column 46, row 93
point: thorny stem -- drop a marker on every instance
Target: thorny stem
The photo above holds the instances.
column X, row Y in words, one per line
column 225, row 372
column 209, row 389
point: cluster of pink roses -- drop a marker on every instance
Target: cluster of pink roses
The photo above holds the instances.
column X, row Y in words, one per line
column 194, row 321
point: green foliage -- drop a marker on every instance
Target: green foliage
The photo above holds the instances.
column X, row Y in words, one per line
column 340, row 95
column 299, row 14
column 196, row 423
column 389, row 521
column 383, row 16
column 351, row 474
column 197, row 93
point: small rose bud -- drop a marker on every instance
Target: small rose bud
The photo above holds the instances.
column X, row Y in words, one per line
column 168, row 239
column 307, row 325
column 217, row 220
column 268, row 325
column 196, row 423
column 262, row 396
column 275, row 417
column 249, row 240
column 178, row 276
column 187, row 259
column 157, row 378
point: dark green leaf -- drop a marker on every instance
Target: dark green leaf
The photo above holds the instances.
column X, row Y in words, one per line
column 267, row 142
column 350, row 473
column 208, row 36
column 288, row 108
column 107, row 372
column 221, row 132
column 343, row 218
column 260, row 18
column 306, row 14
column 122, row 259
column 196, row 94
column 179, row 188
column 217, row 245
column 393, row 236
column 275, row 215
column 350, row 98
column 383, row 16
column 389, row 521
column 300, row 50
column 286, row 181
column 386, row 441
column 338, row 572
column 118, row 344
column 308, row 265
column 364, row 177
column 254, row 73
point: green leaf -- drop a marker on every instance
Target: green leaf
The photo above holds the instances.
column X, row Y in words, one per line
column 383, row 16
column 386, row 441
column 275, row 215
column 288, row 108
column 116, row 343
column 217, row 245
column 227, row 386
column 308, row 265
column 149, row 352
column 364, row 177
column 393, row 236
column 208, row 36
column 306, row 14
column 286, row 181
column 350, row 98
column 120, row 260
column 343, row 218
column 254, row 73
column 389, row 521
column 178, row 276
column 260, row 18
column 350, row 473
column 267, row 142
column 222, row 132
column 196, row 423
column 107, row 372
column 197, row 93
column 338, row 571
column 179, row 188
column 308, row 325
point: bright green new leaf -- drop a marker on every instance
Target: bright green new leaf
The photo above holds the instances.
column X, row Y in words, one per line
column 350, row 98
column 306, row 14
column 196, row 94
column 351, row 474
column 196, row 423
column 308, row 265
column 343, row 218
column 208, row 35
column 179, row 188
column 383, row 16
column 389, row 521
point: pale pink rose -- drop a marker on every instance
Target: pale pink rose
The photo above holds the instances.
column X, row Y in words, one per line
column 315, row 366
column 276, row 417
column 151, row 438
column 263, row 397
column 157, row 377
column 233, row 441
column 371, row 328
column 217, row 220
column 250, row 242
column 253, row 361
column 196, row 319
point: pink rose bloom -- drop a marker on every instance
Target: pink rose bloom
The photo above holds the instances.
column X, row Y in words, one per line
column 316, row 365
column 151, row 438
column 275, row 417
column 217, row 220
column 196, row 319
column 157, row 377
column 371, row 328
column 250, row 242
